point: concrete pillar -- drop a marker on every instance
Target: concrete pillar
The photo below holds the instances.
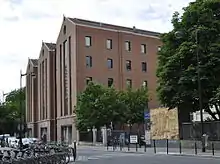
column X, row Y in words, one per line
column 77, row 136
column 94, row 130
column 74, row 132
column 58, row 133
column 104, row 135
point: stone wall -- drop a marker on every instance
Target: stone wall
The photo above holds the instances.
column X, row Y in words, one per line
column 164, row 123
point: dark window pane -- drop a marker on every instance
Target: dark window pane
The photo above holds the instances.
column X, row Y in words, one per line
column 110, row 82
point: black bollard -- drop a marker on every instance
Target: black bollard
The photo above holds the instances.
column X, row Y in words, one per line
column 180, row 146
column 213, row 149
column 145, row 147
column 195, row 148
column 136, row 147
column 167, row 146
column 155, row 150
column 74, row 152
column 128, row 146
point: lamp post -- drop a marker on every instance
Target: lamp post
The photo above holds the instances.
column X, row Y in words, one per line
column 200, row 90
column 21, row 125
column 3, row 96
column 21, row 114
column 179, row 34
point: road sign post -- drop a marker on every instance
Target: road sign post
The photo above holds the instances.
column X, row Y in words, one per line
column 147, row 128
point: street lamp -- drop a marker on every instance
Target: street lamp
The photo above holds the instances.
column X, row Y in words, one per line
column 178, row 34
column 3, row 96
column 21, row 114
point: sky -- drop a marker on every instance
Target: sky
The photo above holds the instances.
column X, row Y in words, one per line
column 24, row 24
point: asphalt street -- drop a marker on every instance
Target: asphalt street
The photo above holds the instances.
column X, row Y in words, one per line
column 92, row 155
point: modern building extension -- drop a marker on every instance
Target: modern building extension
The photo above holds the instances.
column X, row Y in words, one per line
column 93, row 51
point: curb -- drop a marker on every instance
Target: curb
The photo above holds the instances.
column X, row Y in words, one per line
column 127, row 152
column 89, row 144
column 190, row 155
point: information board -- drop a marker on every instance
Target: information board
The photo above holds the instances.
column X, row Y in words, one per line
column 133, row 139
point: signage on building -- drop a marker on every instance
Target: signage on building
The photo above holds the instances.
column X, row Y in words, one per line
column 146, row 115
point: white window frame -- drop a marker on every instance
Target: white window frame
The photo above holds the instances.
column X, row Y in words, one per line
column 88, row 41
column 128, row 45
column 109, row 44
column 143, row 48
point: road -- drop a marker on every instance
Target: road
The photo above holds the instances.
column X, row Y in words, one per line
column 92, row 155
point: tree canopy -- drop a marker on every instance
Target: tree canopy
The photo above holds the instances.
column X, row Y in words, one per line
column 177, row 67
column 100, row 106
column 10, row 110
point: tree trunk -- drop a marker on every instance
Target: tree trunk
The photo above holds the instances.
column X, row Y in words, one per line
column 183, row 117
column 130, row 126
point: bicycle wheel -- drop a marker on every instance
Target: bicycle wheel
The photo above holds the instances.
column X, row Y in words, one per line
column 67, row 156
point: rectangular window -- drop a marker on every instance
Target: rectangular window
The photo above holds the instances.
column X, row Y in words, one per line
column 61, row 81
column 65, row 77
column 88, row 41
column 46, row 98
column 127, row 45
column 128, row 65
column 144, row 83
column 129, row 83
column 70, row 77
column 43, row 89
column 110, row 82
column 41, row 112
column 143, row 48
column 144, row 66
column 88, row 61
column 109, row 43
column 88, row 79
column 110, row 63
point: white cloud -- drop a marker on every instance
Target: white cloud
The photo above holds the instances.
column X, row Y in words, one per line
column 25, row 23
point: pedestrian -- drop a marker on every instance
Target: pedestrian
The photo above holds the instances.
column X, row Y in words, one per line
column 115, row 143
column 7, row 142
column 44, row 138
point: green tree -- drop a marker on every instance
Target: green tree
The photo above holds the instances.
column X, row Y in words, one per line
column 177, row 67
column 96, row 106
column 10, row 111
column 135, row 103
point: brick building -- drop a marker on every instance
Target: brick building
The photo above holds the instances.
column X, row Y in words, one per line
column 46, row 91
column 104, row 53
column 31, row 97
column 44, row 96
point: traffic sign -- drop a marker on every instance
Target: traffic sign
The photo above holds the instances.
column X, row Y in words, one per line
column 146, row 115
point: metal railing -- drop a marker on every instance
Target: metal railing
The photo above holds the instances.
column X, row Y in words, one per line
column 178, row 147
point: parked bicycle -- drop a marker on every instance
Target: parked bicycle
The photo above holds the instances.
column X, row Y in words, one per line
column 37, row 154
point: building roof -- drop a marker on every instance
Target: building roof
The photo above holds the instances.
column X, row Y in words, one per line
column 114, row 27
column 51, row 46
column 34, row 62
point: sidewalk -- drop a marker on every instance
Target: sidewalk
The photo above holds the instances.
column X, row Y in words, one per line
column 171, row 151
column 150, row 150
